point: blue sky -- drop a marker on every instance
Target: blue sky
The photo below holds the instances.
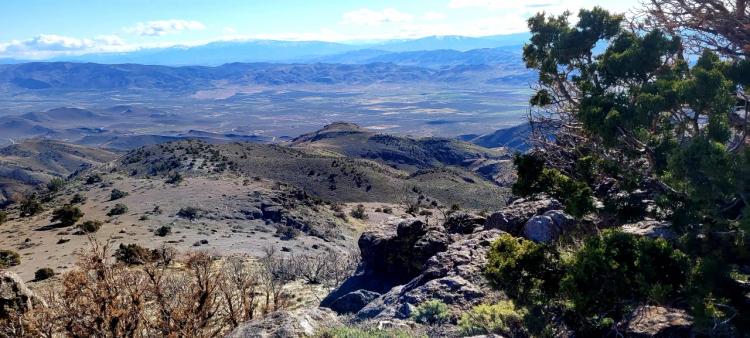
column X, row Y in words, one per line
column 44, row 28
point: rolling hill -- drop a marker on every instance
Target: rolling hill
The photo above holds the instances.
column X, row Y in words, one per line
column 26, row 165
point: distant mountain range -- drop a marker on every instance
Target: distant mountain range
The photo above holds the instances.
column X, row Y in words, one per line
column 221, row 52
column 488, row 65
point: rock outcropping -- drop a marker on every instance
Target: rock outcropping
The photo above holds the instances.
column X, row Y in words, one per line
column 296, row 323
column 15, row 296
column 409, row 262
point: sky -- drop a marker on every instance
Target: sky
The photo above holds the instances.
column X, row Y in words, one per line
column 36, row 29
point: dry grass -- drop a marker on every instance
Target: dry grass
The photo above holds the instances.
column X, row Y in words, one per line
column 198, row 294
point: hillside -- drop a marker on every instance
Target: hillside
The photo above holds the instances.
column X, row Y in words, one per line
column 326, row 175
column 26, row 165
column 514, row 137
column 244, row 196
column 404, row 153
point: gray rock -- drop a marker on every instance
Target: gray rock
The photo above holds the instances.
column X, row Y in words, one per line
column 512, row 218
column 563, row 221
column 15, row 296
column 658, row 321
column 652, row 229
column 272, row 212
column 353, row 301
column 453, row 276
column 251, row 213
column 291, row 324
column 391, row 255
column 548, row 227
column 541, row 229
column 463, row 223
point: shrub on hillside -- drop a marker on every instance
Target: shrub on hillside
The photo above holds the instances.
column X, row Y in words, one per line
column 286, row 232
column 431, row 312
column 30, row 206
column 359, row 212
column 67, row 215
column 117, row 194
column 175, row 178
column 9, row 258
column 523, row 269
column 3, row 217
column 534, row 177
column 163, row 230
column 133, row 254
column 190, row 213
column 633, row 269
column 355, row 332
column 55, row 185
column 118, row 209
column 77, row 199
column 93, row 179
column 503, row 318
column 43, row 273
column 90, row 226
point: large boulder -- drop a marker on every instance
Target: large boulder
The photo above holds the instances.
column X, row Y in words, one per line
column 453, row 276
column 512, row 218
column 547, row 227
column 15, row 296
column 652, row 229
column 288, row 324
column 658, row 321
column 272, row 212
column 353, row 301
column 392, row 255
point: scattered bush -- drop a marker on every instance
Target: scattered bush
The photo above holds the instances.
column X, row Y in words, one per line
column 93, row 179
column 355, row 332
column 77, row 199
column 501, row 318
column 534, row 177
column 43, row 273
column 90, row 226
column 55, row 185
column 30, row 206
column 3, row 217
column 632, row 268
column 175, row 178
column 133, row 254
column 163, row 230
column 9, row 258
column 523, row 269
column 67, row 215
column 286, row 232
column 359, row 212
column 387, row 210
column 117, row 194
column 431, row 312
column 118, row 209
column 190, row 213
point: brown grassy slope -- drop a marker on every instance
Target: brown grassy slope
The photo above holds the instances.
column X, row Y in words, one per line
column 28, row 164
column 328, row 176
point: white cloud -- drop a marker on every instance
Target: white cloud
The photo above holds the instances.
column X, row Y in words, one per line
column 432, row 16
column 526, row 6
column 48, row 45
column 495, row 4
column 369, row 17
column 163, row 27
